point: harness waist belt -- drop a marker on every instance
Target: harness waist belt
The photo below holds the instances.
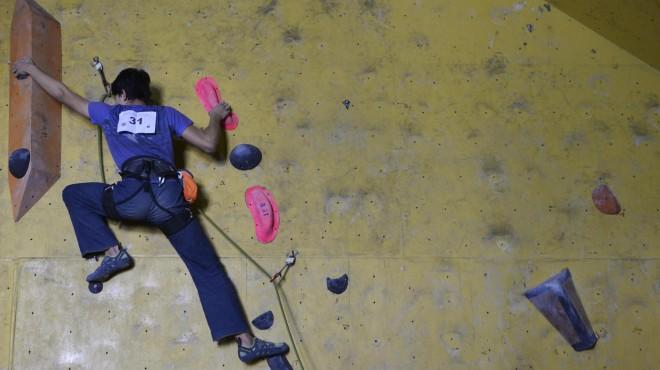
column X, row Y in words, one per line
column 147, row 167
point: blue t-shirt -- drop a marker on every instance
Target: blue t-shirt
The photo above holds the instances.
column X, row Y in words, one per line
column 138, row 130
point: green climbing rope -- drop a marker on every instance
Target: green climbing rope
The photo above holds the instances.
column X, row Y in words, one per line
column 100, row 142
column 99, row 135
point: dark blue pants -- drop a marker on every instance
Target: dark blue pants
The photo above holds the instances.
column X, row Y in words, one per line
column 217, row 293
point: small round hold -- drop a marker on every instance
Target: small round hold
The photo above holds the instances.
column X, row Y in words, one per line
column 19, row 162
column 245, row 157
column 95, row 287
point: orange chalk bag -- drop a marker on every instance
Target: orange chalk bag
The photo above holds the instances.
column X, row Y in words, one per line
column 189, row 186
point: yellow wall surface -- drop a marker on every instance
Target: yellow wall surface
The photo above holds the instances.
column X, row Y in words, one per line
column 459, row 176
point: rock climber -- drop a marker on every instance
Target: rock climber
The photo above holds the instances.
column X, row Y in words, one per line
column 139, row 137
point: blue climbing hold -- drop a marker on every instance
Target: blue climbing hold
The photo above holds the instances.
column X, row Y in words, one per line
column 95, row 287
column 245, row 156
column 338, row 285
column 279, row 362
column 347, row 103
column 264, row 321
column 19, row 162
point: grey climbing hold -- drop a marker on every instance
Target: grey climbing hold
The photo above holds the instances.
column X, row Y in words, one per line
column 19, row 162
column 338, row 285
column 264, row 321
column 557, row 299
column 279, row 362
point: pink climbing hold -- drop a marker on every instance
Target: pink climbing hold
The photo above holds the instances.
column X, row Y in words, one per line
column 605, row 200
column 208, row 92
column 264, row 211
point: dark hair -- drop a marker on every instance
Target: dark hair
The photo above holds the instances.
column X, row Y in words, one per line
column 135, row 82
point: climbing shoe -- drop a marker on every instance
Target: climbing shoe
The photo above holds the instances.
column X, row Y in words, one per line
column 260, row 349
column 110, row 266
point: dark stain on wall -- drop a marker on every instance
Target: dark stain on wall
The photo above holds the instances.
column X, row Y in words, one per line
column 652, row 102
column 329, row 6
column 374, row 8
column 496, row 65
column 420, row 40
column 520, row 104
column 501, row 230
column 491, row 166
column 574, row 139
column 282, row 103
column 268, row 8
column 640, row 133
column 292, row 35
column 474, row 133
column 601, row 126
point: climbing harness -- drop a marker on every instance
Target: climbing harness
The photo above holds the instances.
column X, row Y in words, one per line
column 151, row 171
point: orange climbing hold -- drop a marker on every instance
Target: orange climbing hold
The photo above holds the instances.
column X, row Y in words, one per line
column 605, row 200
column 35, row 119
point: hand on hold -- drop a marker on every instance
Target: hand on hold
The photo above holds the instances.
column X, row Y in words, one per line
column 21, row 68
column 221, row 111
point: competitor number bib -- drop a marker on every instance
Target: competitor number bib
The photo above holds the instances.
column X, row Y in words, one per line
column 137, row 122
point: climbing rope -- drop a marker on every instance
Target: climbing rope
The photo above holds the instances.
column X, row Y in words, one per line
column 100, row 145
column 96, row 63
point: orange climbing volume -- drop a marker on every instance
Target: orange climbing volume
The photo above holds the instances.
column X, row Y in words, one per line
column 35, row 119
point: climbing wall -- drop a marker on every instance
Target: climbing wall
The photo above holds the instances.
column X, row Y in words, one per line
column 441, row 153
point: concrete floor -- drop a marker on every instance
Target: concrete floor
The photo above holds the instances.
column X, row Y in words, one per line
column 460, row 175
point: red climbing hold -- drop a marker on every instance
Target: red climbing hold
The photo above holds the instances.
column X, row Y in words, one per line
column 208, row 92
column 605, row 200
column 264, row 211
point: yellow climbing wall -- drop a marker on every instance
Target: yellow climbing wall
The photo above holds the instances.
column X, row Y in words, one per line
column 459, row 175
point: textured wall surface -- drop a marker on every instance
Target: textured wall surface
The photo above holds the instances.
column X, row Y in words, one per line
column 460, row 175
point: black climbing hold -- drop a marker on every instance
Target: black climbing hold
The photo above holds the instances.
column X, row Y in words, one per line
column 95, row 287
column 338, row 285
column 264, row 321
column 245, row 156
column 347, row 103
column 530, row 27
column 548, row 7
column 279, row 362
column 19, row 161
column 22, row 76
